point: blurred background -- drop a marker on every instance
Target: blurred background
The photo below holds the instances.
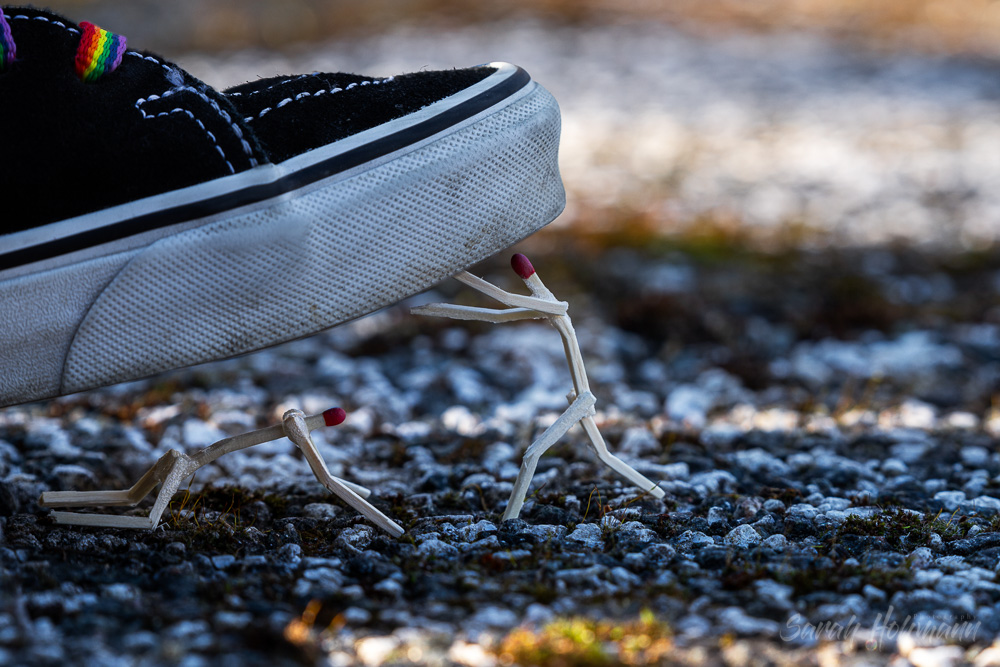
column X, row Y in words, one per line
column 758, row 123
column 780, row 243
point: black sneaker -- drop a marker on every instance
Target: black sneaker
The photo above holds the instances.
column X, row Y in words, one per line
column 151, row 222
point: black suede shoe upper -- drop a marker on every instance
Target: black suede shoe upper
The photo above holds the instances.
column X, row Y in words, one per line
column 148, row 127
column 72, row 147
column 291, row 116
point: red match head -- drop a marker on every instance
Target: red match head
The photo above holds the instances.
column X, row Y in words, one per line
column 334, row 416
column 522, row 266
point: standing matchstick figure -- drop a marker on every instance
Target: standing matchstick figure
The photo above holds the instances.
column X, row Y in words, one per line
column 542, row 304
column 174, row 467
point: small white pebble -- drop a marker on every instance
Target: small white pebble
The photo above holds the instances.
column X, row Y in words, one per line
column 950, row 500
column 777, row 542
column 743, row 536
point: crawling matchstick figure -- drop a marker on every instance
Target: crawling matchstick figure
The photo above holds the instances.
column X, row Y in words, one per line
column 174, row 467
column 542, row 305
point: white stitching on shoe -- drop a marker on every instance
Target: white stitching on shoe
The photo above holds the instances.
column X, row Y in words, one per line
column 225, row 116
column 211, row 137
column 222, row 112
column 149, row 58
column 305, row 94
column 41, row 18
column 280, row 83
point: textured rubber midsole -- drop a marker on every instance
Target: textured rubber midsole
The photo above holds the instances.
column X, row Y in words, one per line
column 289, row 267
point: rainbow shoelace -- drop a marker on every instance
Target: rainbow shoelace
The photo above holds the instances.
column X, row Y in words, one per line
column 99, row 52
column 7, row 47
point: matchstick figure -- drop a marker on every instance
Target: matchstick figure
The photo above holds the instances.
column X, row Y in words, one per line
column 542, row 305
column 174, row 467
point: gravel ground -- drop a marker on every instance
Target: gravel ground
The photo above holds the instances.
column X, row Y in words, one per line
column 823, row 420
column 829, row 459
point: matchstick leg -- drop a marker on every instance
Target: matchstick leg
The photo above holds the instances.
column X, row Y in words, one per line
column 102, row 520
column 356, row 488
column 615, row 463
column 297, row 431
column 574, row 413
column 520, row 490
column 169, row 488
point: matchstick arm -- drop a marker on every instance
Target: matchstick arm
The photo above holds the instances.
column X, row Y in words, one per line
column 172, row 468
column 455, row 312
column 548, row 306
column 128, row 497
column 85, row 498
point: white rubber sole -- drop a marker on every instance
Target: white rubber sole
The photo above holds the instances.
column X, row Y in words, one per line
column 286, row 266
